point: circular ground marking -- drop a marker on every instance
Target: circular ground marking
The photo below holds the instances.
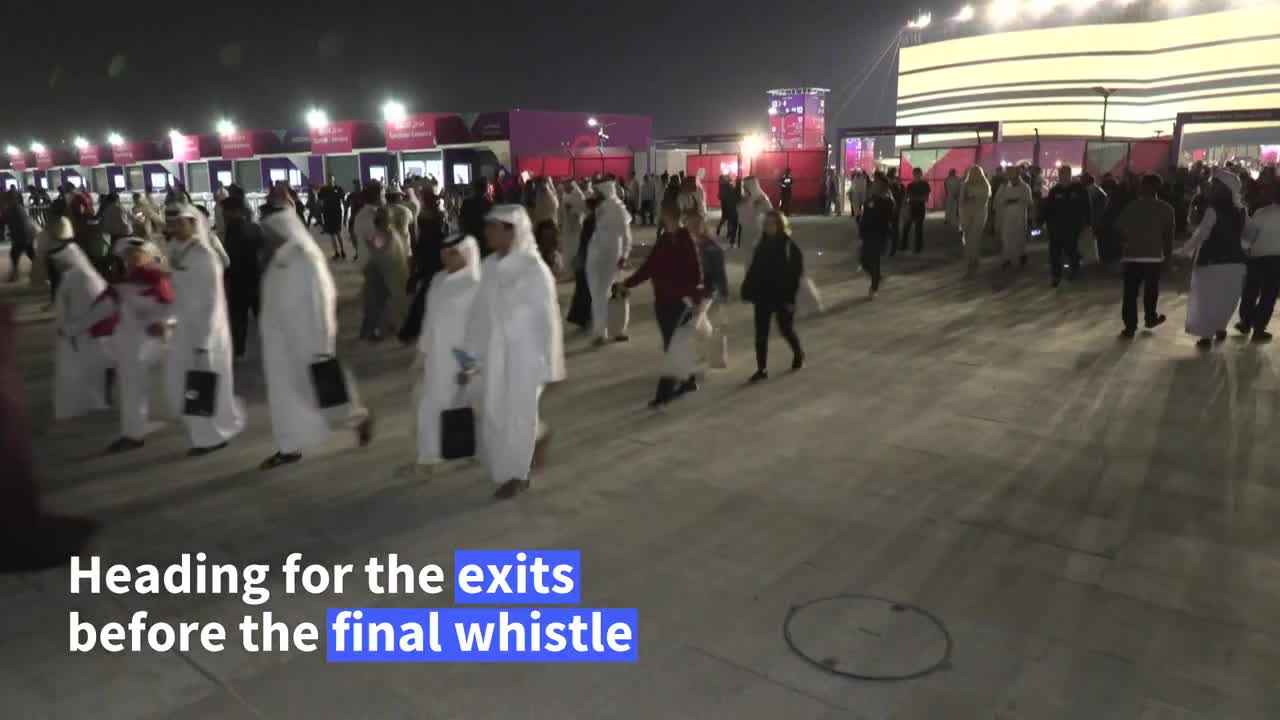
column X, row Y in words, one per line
column 868, row 638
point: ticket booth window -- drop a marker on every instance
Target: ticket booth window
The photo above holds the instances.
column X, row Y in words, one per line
column 278, row 175
column 118, row 181
column 461, row 174
column 378, row 172
column 295, row 178
column 224, row 178
column 76, row 181
column 159, row 181
column 10, row 184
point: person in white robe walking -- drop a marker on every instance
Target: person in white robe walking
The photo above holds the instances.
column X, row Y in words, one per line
column 857, row 193
column 80, row 359
column 202, row 338
column 752, row 208
column 606, row 255
column 1013, row 203
column 1217, row 250
column 444, row 330
column 952, row 200
column 299, row 327
column 515, row 336
column 974, row 197
column 573, row 210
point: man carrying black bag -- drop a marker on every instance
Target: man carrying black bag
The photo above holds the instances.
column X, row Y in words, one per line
column 307, row 390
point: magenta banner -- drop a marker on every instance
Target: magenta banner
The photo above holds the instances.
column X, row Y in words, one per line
column 123, row 154
column 185, row 147
column 18, row 162
column 238, row 145
column 336, row 137
column 89, row 156
column 44, row 160
column 415, row 132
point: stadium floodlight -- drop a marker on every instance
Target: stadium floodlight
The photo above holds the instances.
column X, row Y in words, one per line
column 226, row 127
column 37, row 147
column 752, row 145
column 11, row 150
column 921, row 22
column 393, row 111
column 316, row 119
column 592, row 122
column 81, row 143
column 174, row 136
column 965, row 15
column 1000, row 12
column 115, row 139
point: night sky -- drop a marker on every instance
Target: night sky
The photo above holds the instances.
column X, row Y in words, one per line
column 695, row 66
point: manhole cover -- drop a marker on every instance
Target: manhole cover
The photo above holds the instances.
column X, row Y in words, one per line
column 868, row 638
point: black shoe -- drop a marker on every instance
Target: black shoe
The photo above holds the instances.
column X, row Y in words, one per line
column 666, row 391
column 1261, row 336
column 510, row 489
column 1204, row 343
column 1243, row 328
column 279, row 459
column 202, row 451
column 1220, row 335
column 688, row 386
column 760, row 375
column 1155, row 322
column 621, row 338
column 1128, row 333
column 123, row 445
column 364, row 431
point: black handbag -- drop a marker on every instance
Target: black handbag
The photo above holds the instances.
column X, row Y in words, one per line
column 457, row 433
column 201, row 393
column 330, row 383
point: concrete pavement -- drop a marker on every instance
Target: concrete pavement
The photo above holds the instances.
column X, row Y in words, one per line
column 1092, row 521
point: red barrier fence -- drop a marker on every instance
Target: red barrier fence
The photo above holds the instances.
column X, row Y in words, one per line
column 563, row 167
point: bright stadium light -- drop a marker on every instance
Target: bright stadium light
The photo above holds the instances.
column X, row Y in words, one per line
column 115, row 139
column 921, row 22
column 175, row 136
column 316, row 119
column 965, row 15
column 81, row 143
column 37, row 147
column 1000, row 12
column 393, row 111
column 226, row 127
column 11, row 150
column 592, row 122
column 752, row 145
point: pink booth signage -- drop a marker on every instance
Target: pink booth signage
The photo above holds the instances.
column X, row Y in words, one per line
column 415, row 132
column 238, row 145
column 18, row 162
column 44, row 159
column 123, row 154
column 336, row 137
column 185, row 147
column 89, row 156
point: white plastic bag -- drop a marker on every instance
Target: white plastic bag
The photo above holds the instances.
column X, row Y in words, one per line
column 682, row 357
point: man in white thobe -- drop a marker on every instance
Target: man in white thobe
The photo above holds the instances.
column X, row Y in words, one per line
column 574, row 209
column 299, row 326
column 515, row 337
column 80, row 359
column 202, row 338
column 444, row 331
column 951, row 186
column 1013, row 203
column 607, row 253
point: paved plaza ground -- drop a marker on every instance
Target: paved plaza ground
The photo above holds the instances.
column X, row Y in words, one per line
column 1092, row 521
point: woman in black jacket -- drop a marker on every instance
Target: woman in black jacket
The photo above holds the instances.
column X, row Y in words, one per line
column 771, row 284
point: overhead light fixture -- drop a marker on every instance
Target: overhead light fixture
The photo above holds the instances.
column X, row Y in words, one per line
column 752, row 145
column 37, row 147
column 226, row 127
column 175, row 136
column 592, row 122
column 921, row 22
column 317, row 119
column 11, row 150
column 81, row 143
column 965, row 15
column 115, row 139
column 394, row 112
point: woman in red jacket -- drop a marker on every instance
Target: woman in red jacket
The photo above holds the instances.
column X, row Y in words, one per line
column 675, row 269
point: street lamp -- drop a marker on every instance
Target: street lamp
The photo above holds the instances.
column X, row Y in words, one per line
column 316, row 119
column 81, row 143
column 226, row 127
column 393, row 111
column 921, row 22
column 592, row 122
column 1106, row 94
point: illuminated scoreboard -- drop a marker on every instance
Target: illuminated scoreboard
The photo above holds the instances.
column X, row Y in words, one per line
column 797, row 118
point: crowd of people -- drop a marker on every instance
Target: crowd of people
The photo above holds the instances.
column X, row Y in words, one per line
column 471, row 283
